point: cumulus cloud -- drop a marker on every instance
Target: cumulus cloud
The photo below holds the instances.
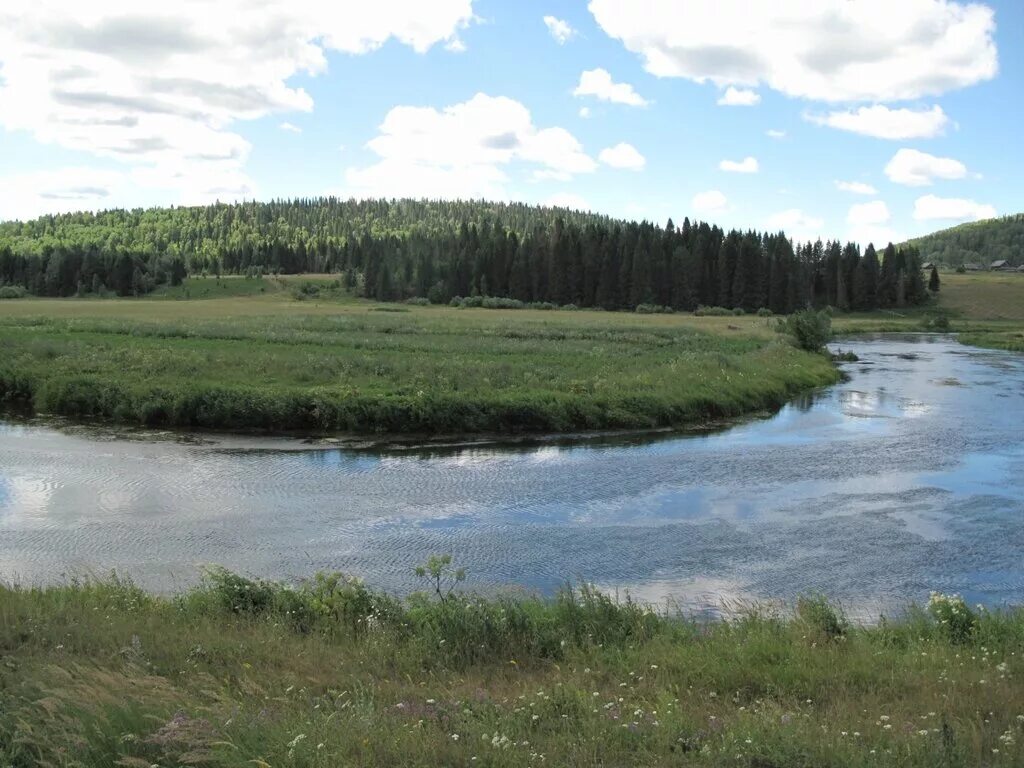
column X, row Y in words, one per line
column 881, row 122
column 158, row 87
column 559, row 29
column 746, row 165
column 919, row 169
column 290, row 128
column 26, row 195
column 954, row 209
column 623, row 155
column 856, row 187
column 797, row 224
column 709, row 203
column 775, row 133
column 832, row 50
column 598, row 82
column 464, row 151
column 584, row 112
column 739, row 97
column 863, row 214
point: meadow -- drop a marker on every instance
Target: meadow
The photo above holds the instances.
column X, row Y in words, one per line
column 329, row 673
column 271, row 355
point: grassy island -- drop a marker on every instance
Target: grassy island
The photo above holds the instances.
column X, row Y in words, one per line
column 278, row 355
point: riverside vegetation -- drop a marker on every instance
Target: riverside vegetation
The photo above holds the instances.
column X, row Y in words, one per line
column 305, row 356
column 238, row 672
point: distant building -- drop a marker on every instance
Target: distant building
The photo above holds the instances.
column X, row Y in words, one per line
column 999, row 266
column 973, row 267
column 927, row 266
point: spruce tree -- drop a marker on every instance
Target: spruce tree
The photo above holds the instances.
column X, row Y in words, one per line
column 933, row 281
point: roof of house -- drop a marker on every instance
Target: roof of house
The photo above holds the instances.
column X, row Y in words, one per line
column 999, row 263
column 927, row 265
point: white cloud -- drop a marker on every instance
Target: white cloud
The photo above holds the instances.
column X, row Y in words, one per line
column 739, row 97
column 856, row 187
column 598, row 82
column 710, row 202
column 159, row 87
column 775, row 134
column 623, row 155
column 864, row 214
column 463, row 151
column 455, row 45
column 559, row 29
column 27, row 195
column 930, row 207
column 919, row 169
column 797, row 224
column 567, row 200
column 746, row 165
column 584, row 112
column 881, row 122
column 831, row 50
column 879, row 235
column 290, row 128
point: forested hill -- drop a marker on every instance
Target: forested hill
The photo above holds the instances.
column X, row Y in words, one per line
column 980, row 242
column 395, row 250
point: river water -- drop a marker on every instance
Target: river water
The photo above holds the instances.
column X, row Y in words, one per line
column 908, row 477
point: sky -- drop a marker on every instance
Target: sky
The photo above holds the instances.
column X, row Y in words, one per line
column 865, row 120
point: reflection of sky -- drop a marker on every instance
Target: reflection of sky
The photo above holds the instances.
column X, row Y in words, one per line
column 876, row 490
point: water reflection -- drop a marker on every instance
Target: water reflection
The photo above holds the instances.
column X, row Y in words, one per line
column 875, row 491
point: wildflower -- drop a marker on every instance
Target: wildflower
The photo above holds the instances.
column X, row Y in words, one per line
column 455, row 737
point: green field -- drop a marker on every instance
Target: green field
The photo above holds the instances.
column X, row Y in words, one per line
column 258, row 358
column 249, row 674
column 985, row 309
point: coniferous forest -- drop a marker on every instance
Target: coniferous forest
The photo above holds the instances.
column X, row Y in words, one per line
column 438, row 250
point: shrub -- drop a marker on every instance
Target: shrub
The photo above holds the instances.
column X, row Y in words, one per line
column 653, row 309
column 810, row 329
column 823, row 621
column 764, row 312
column 418, row 301
column 498, row 302
column 739, row 312
column 711, row 311
column 12, row 292
column 957, row 622
column 541, row 305
column 937, row 323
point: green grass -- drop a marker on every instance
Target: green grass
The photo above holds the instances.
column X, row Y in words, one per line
column 241, row 673
column 332, row 363
column 984, row 310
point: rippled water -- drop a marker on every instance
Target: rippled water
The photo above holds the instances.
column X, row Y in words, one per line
column 907, row 478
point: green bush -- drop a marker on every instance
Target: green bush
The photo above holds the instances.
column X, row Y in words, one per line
column 418, row 301
column 739, row 312
column 824, row 623
column 703, row 311
column 809, row 328
column 957, row 622
column 12, row 292
column 764, row 312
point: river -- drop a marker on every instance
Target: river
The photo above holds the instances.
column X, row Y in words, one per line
column 906, row 478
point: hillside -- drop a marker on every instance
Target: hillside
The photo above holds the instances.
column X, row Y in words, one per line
column 980, row 242
column 438, row 251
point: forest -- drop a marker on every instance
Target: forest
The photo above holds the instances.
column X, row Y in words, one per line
column 979, row 242
column 439, row 251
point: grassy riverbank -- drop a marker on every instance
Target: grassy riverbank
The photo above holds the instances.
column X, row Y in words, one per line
column 239, row 673
column 268, row 361
column 984, row 309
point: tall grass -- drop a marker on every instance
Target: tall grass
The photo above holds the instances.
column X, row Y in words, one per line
column 241, row 672
column 427, row 370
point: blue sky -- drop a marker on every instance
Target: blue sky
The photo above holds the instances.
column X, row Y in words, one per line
column 468, row 98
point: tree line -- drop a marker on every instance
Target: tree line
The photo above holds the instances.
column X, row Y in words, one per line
column 396, row 250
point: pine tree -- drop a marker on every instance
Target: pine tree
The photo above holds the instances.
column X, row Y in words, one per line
column 933, row 281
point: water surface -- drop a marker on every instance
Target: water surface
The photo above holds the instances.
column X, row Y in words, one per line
column 906, row 478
